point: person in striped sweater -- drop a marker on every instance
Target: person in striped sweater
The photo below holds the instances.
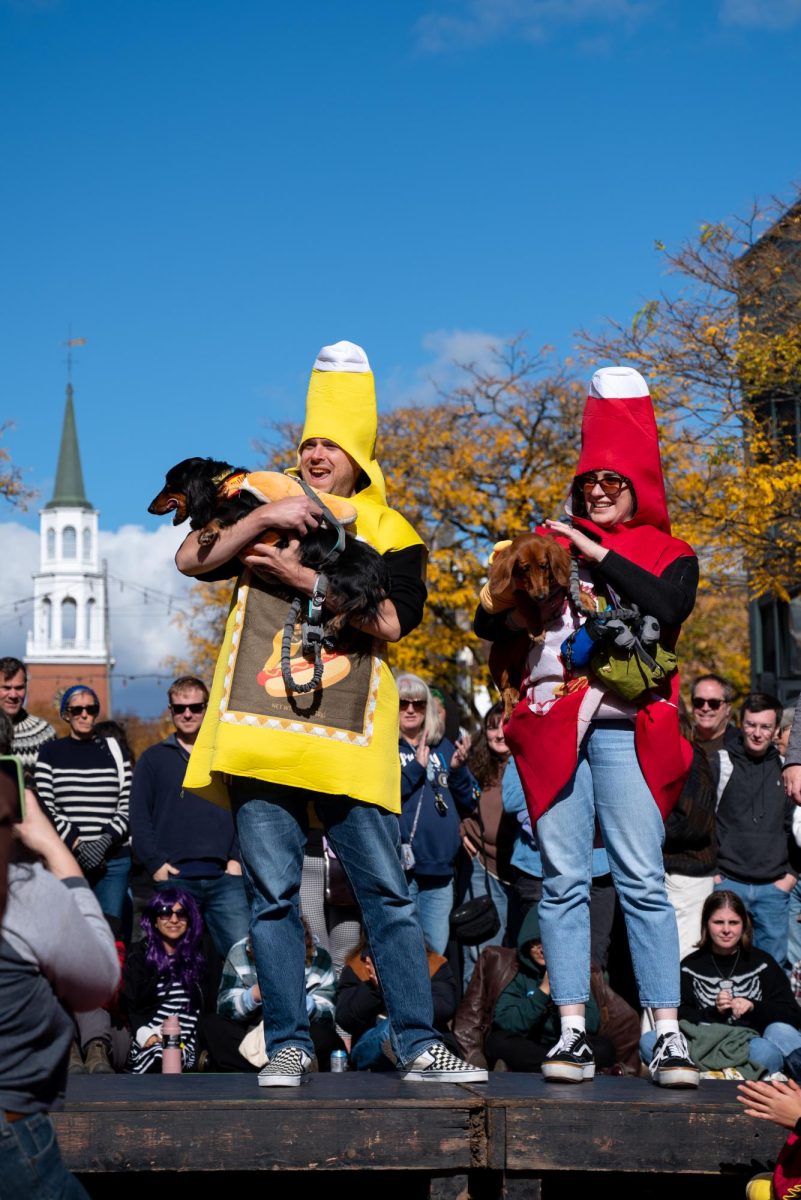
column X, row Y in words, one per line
column 84, row 783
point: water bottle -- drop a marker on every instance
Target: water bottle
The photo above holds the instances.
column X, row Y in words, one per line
column 339, row 1061
column 171, row 1063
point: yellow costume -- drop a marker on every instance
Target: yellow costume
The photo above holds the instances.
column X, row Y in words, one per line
column 342, row 738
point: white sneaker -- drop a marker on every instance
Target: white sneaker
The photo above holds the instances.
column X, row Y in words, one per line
column 439, row 1065
column 671, row 1065
column 570, row 1060
column 290, row 1067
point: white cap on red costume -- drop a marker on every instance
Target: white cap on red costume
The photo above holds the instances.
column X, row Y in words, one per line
column 618, row 383
column 618, row 433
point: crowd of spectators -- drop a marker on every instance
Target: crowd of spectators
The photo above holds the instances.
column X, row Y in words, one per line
column 164, row 866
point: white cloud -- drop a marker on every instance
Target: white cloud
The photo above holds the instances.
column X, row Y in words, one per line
column 481, row 22
column 142, row 578
column 448, row 350
column 761, row 14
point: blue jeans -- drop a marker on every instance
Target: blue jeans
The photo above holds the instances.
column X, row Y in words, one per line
column 272, row 826
column 608, row 785
column 499, row 891
column 768, row 906
column 433, row 899
column 31, row 1166
column 769, row 1049
column 367, row 1054
column 110, row 885
column 222, row 903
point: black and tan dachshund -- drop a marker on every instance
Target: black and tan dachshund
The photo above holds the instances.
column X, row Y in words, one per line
column 209, row 495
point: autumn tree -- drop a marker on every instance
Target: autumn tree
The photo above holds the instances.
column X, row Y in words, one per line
column 721, row 351
column 12, row 486
column 202, row 619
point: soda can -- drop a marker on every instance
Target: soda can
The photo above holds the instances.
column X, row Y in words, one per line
column 339, row 1061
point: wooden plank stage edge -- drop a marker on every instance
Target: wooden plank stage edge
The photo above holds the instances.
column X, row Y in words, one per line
column 516, row 1123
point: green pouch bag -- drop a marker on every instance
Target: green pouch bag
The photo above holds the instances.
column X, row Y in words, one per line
column 628, row 673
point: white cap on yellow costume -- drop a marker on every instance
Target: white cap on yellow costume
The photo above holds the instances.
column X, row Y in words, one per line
column 341, row 406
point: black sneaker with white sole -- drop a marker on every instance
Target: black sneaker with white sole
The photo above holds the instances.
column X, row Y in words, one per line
column 438, row 1065
column 290, row 1067
column 671, row 1065
column 570, row 1060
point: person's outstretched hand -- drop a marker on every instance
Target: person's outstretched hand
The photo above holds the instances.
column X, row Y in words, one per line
column 777, row 1102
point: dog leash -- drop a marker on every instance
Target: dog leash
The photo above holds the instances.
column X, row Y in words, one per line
column 312, row 631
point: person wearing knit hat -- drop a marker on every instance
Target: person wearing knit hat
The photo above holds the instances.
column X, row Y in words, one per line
column 587, row 755
column 84, row 782
column 333, row 748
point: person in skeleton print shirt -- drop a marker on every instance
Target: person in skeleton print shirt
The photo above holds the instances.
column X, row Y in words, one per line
column 437, row 790
column 729, row 981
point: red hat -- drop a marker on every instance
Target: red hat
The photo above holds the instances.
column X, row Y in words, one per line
column 618, row 433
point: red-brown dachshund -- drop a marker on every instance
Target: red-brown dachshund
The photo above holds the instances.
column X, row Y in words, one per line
column 529, row 578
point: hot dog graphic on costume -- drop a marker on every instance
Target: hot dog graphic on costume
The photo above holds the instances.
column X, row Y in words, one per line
column 335, row 666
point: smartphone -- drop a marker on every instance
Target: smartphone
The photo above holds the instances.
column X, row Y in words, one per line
column 12, row 788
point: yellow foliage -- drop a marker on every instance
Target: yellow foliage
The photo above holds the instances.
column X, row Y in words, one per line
column 12, row 487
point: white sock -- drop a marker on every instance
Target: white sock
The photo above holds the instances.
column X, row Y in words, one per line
column 574, row 1022
column 667, row 1026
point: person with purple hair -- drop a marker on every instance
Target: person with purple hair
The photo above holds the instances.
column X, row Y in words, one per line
column 164, row 976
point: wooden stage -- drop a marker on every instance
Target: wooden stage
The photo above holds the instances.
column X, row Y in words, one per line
column 489, row 1139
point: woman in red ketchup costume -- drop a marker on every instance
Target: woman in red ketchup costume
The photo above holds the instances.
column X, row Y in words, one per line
column 585, row 755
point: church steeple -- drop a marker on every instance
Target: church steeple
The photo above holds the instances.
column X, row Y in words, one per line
column 69, row 490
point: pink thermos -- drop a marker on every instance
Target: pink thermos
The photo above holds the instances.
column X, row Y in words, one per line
column 171, row 1046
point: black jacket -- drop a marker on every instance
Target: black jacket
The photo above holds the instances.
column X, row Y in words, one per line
column 754, row 819
column 360, row 1003
column 140, row 997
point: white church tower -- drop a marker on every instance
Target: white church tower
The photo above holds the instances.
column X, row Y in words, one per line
column 69, row 640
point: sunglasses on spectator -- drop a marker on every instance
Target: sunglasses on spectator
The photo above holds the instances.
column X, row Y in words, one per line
column 164, row 913
column 610, row 485
column 197, row 707
column 417, row 705
column 700, row 701
column 75, row 710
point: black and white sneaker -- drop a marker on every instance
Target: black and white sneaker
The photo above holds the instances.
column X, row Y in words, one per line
column 570, row 1060
column 290, row 1067
column 440, row 1066
column 671, row 1065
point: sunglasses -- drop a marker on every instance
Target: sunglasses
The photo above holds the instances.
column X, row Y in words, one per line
column 417, row 705
column 165, row 913
column 610, row 485
column 701, row 701
column 75, row 710
column 197, row 707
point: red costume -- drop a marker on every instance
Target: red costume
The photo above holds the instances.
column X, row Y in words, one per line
column 617, row 435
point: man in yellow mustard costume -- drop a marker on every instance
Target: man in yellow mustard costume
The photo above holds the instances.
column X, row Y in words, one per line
column 334, row 748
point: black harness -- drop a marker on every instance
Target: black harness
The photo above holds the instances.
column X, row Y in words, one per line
column 313, row 639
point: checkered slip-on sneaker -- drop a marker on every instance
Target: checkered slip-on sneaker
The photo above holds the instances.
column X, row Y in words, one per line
column 290, row 1067
column 440, row 1066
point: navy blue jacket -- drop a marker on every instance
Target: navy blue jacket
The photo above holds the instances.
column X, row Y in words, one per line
column 171, row 825
column 437, row 839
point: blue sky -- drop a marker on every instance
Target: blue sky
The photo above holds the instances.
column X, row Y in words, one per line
column 209, row 192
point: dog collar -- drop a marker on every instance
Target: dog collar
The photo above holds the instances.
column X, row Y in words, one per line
column 230, row 485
